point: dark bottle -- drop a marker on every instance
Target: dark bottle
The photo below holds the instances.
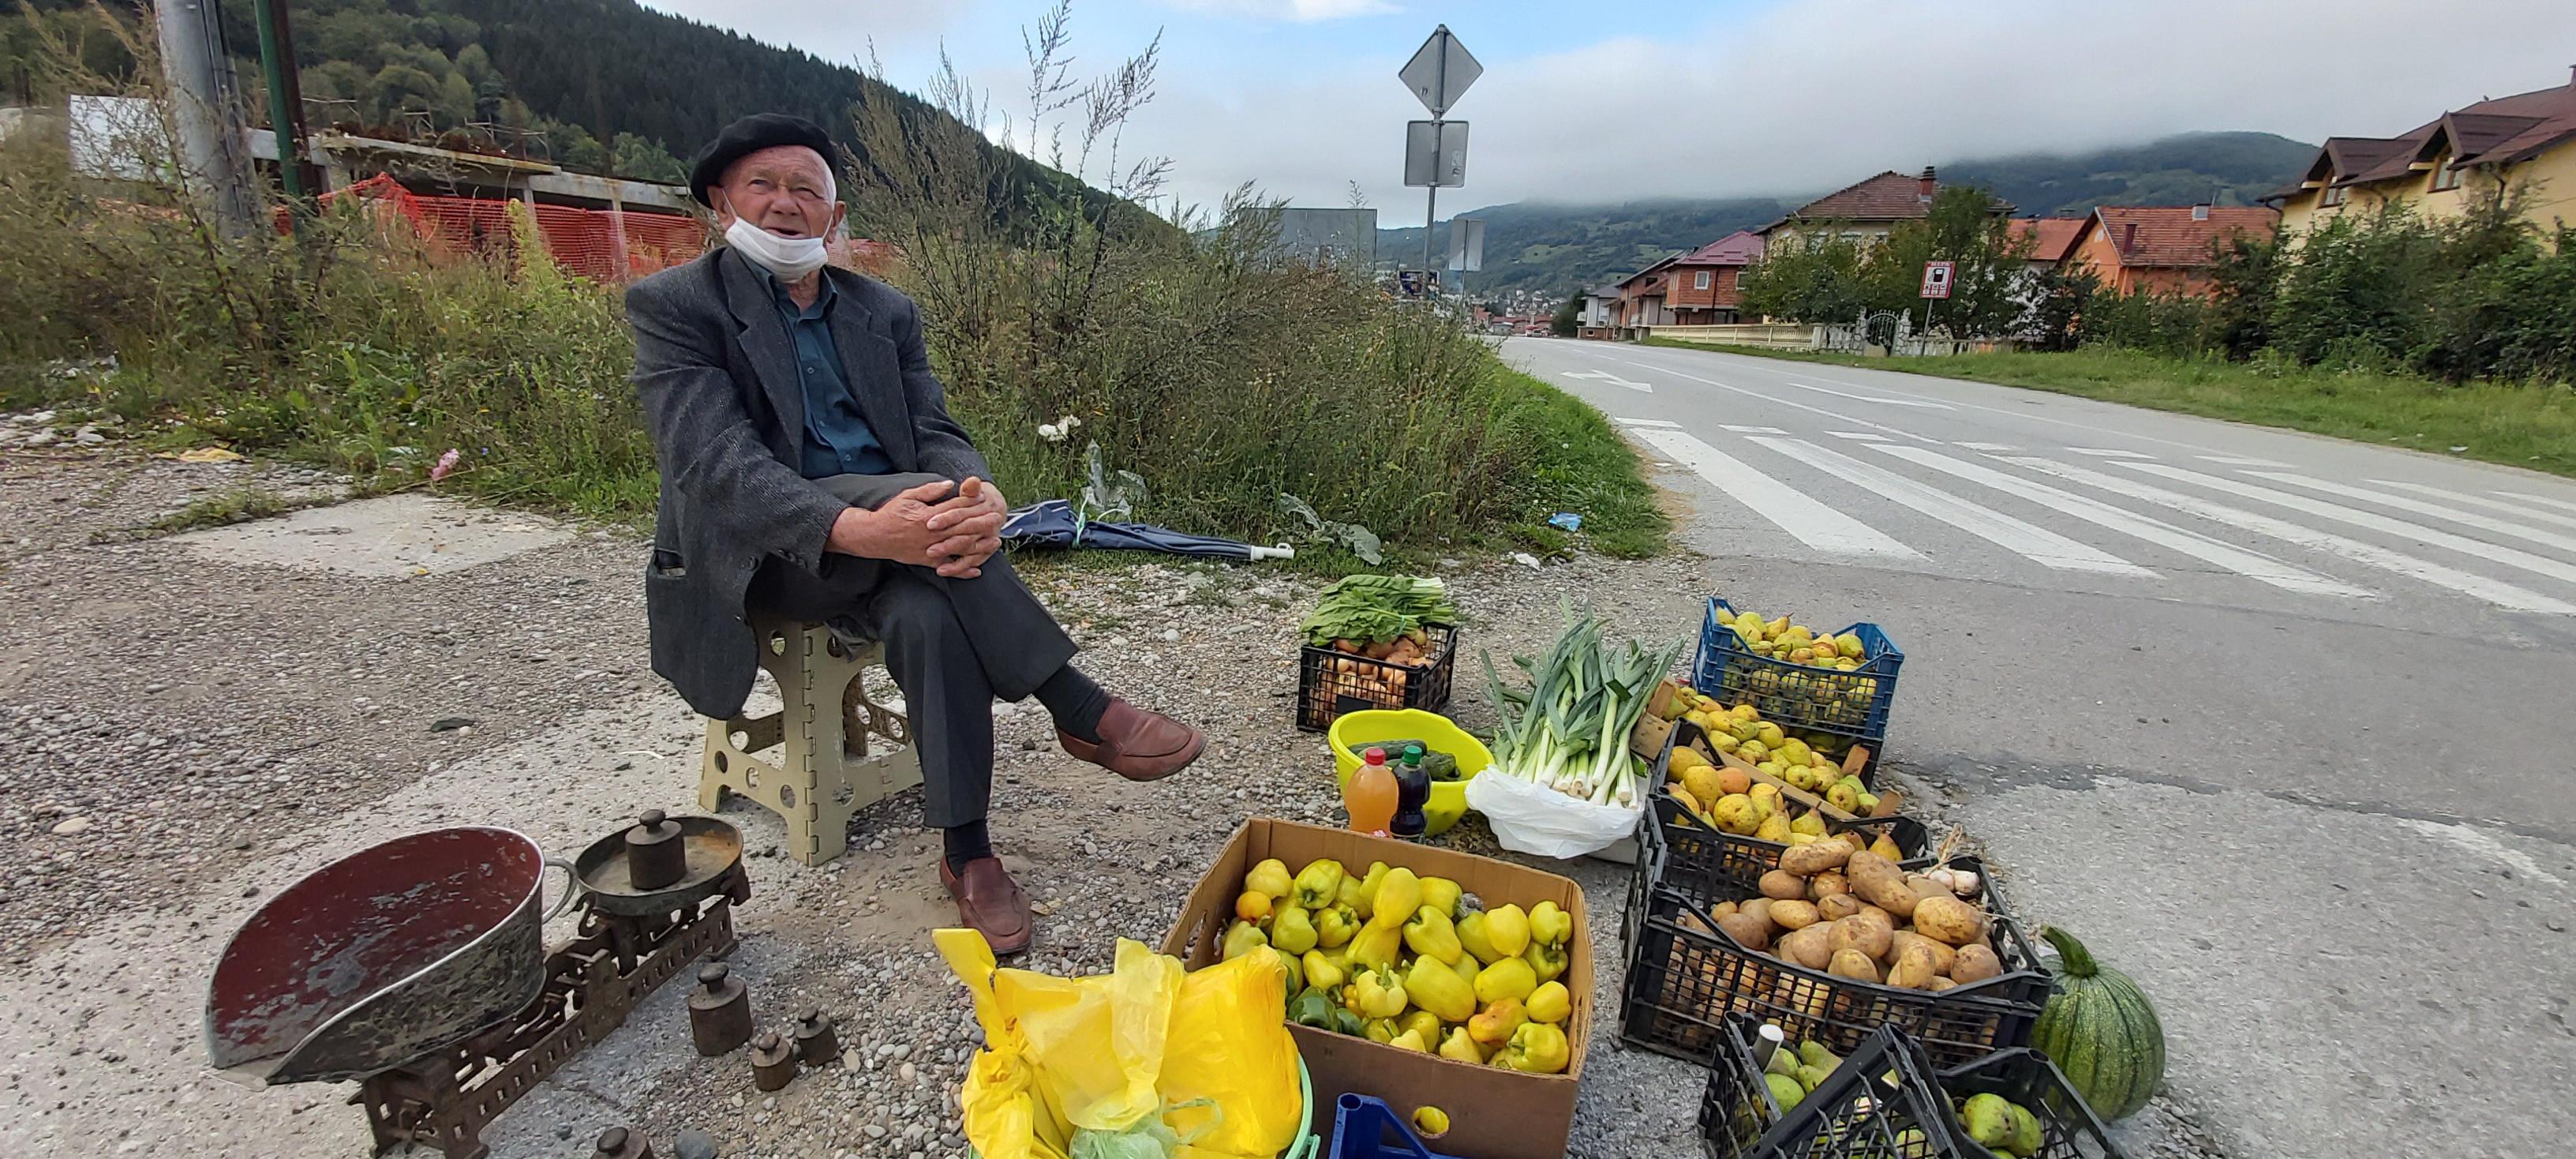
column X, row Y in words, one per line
column 1412, row 792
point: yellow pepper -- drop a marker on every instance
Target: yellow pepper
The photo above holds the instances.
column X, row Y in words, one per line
column 1537, row 1048
column 1438, row 989
column 1430, row 935
column 1318, row 885
column 1377, row 946
column 1396, row 899
column 1291, row 930
column 1270, row 879
column 1422, row 1022
column 1431, row 1121
column 1472, row 937
column 1242, row 938
column 1508, row 929
column 1334, row 926
column 1551, row 1002
column 1381, row 993
column 1462, row 1047
column 1379, row 1030
column 1358, row 893
column 1253, row 906
column 1550, row 925
column 1322, row 972
column 1494, row 1027
column 1442, row 894
column 1546, row 961
column 1410, row 1040
column 1509, row 978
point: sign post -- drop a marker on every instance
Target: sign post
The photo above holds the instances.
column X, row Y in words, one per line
column 1438, row 74
column 1936, row 284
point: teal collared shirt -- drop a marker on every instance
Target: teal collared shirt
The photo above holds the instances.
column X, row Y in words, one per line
column 838, row 440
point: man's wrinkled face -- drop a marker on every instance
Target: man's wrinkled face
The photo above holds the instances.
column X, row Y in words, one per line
column 785, row 189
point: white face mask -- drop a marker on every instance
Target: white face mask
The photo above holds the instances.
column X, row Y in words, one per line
column 786, row 258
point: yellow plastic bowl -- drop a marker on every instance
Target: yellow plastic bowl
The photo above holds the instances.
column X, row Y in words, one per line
column 1448, row 798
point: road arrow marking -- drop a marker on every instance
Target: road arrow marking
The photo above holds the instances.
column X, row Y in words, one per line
column 1606, row 376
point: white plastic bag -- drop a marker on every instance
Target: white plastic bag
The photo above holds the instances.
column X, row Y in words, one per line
column 1530, row 818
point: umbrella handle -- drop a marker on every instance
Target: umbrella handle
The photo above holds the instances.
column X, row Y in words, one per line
column 1258, row 552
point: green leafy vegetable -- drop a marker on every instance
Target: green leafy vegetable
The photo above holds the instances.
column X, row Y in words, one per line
column 1374, row 609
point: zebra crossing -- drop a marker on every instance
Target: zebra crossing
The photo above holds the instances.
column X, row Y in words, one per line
column 2127, row 516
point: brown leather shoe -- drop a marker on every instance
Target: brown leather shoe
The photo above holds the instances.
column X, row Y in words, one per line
column 989, row 901
column 1136, row 744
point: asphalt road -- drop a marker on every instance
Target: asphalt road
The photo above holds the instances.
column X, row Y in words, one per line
column 2276, row 723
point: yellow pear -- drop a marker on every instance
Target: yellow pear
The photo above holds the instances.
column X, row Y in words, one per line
column 1774, row 828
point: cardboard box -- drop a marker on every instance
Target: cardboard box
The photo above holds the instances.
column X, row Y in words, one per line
column 1494, row 1113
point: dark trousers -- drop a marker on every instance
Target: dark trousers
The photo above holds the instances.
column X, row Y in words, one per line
column 953, row 645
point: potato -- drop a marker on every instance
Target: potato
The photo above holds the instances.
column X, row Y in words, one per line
column 1784, row 885
column 1941, row 954
column 1862, row 932
column 1838, row 907
column 1926, row 887
column 1975, row 964
column 1808, row 860
column 1793, row 915
column 1913, row 969
column 1806, row 947
column 1751, row 932
column 1854, row 965
column 1827, row 884
column 1940, row 984
column 1948, row 920
column 1879, row 882
column 1723, row 908
column 1759, row 909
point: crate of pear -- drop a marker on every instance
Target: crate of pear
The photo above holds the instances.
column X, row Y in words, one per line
column 1741, row 732
column 1796, row 676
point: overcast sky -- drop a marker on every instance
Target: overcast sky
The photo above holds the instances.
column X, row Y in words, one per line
column 1603, row 100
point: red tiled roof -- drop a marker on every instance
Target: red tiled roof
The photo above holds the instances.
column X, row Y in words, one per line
column 2169, row 236
column 1741, row 248
column 1889, row 196
column 2056, row 236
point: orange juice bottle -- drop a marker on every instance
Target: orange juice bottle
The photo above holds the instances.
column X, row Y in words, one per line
column 1371, row 794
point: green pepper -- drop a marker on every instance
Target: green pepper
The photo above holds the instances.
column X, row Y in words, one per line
column 1312, row 1008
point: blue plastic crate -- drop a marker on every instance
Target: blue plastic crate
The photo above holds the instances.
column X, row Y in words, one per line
column 1799, row 697
column 1364, row 1128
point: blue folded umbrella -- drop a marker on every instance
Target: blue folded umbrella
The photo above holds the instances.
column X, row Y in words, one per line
column 1054, row 523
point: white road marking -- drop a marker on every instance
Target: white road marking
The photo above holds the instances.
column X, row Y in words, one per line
column 2497, row 592
column 1752, row 430
column 1648, row 423
column 1605, row 376
column 2538, row 499
column 1812, row 522
column 1990, row 448
column 2107, row 453
column 2372, row 520
column 1835, row 415
column 2242, row 461
column 2094, row 511
column 1924, row 403
column 2037, row 544
column 2420, row 507
column 1861, row 436
column 2482, row 501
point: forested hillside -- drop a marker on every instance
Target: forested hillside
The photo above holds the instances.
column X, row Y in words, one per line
column 597, row 85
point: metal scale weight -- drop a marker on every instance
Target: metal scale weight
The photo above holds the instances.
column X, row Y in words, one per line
column 419, row 967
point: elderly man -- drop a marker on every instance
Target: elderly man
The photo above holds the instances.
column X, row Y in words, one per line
column 810, row 471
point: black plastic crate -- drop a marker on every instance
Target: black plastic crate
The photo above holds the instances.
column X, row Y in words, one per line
column 1705, row 863
column 1799, row 697
column 1685, row 976
column 2068, row 1127
column 1330, row 683
column 1883, row 1101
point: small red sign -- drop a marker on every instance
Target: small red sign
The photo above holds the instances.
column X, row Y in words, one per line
column 1936, row 279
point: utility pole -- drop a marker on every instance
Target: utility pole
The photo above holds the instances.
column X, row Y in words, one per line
column 213, row 168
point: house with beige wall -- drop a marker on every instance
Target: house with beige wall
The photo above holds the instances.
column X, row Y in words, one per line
column 2524, row 142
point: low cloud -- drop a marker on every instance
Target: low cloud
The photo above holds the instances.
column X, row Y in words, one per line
column 1297, row 11
column 1812, row 94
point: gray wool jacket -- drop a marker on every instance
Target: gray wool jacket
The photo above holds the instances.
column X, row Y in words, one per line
column 716, row 373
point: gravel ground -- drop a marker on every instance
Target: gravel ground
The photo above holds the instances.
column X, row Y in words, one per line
column 188, row 736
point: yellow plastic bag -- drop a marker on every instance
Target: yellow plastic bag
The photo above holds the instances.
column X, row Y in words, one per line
column 1103, row 1053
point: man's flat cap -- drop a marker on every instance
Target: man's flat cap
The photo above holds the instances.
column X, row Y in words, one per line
column 750, row 135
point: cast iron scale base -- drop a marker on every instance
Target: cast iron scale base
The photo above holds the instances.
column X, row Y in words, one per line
column 612, row 964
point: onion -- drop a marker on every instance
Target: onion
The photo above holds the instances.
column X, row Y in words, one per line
column 1964, row 882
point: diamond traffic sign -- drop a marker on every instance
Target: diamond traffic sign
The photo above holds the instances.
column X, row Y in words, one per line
column 1440, row 71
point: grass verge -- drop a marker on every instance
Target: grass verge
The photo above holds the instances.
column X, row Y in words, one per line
column 1585, row 467
column 2517, row 425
